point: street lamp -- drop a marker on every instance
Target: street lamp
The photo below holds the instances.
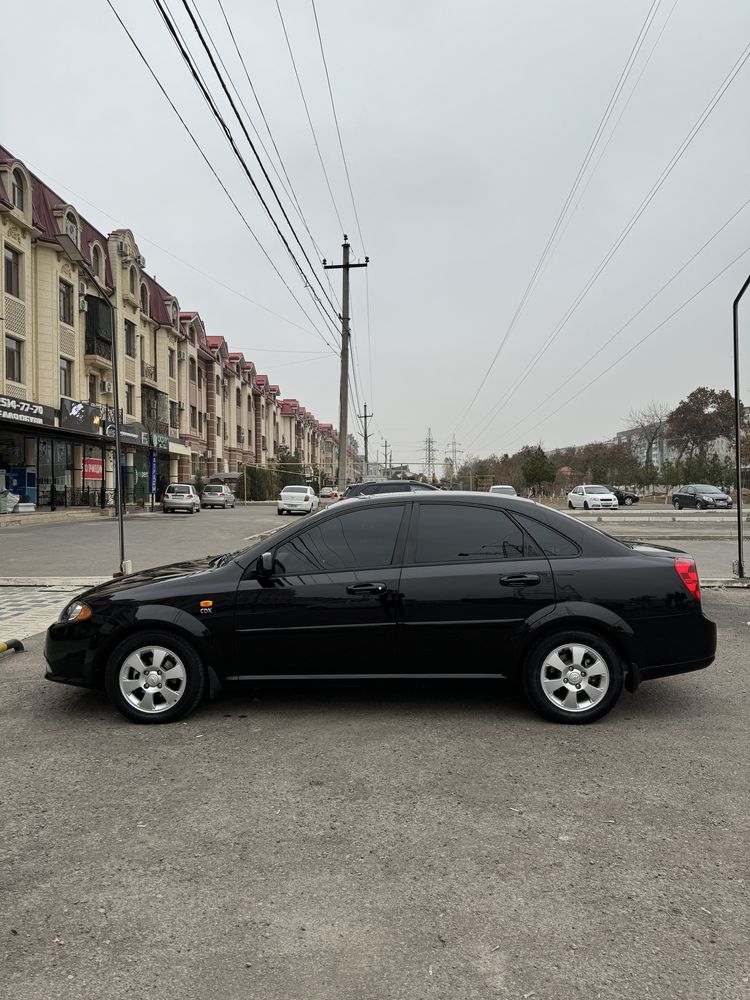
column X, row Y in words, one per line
column 738, row 429
column 75, row 256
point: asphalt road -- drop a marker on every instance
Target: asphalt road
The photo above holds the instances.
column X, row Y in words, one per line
column 378, row 842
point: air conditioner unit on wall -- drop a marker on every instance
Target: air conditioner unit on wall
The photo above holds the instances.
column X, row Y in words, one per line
column 83, row 305
column 141, row 260
column 181, row 406
column 107, row 387
column 181, row 356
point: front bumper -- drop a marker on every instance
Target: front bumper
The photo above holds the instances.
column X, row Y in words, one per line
column 70, row 654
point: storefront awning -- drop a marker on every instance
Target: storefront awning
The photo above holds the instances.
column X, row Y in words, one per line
column 178, row 449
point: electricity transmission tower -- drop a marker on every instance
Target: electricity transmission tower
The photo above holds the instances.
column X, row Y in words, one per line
column 429, row 452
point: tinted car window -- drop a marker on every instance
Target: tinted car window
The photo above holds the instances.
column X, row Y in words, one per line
column 213, row 489
column 392, row 488
column 180, row 489
column 551, row 542
column 453, row 533
column 295, row 489
column 362, row 538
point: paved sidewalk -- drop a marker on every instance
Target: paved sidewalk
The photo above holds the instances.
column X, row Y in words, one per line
column 24, row 611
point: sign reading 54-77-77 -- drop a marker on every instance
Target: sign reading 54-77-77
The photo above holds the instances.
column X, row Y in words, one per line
column 22, row 411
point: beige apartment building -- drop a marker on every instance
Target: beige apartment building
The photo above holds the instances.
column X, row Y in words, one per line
column 189, row 405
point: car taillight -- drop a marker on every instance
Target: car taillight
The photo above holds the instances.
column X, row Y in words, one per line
column 688, row 573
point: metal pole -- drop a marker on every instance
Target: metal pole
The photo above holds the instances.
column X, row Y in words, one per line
column 738, row 429
column 344, row 378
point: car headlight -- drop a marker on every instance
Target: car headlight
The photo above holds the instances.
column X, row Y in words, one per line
column 76, row 611
column 708, row 498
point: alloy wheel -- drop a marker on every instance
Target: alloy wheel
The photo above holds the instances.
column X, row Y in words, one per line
column 152, row 679
column 574, row 677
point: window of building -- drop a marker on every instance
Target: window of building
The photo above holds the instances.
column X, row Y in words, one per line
column 66, row 371
column 192, row 369
column 65, row 299
column 218, row 386
column 71, row 226
column 240, row 435
column 12, row 272
column 218, row 427
column 239, row 397
column 457, row 534
column 144, row 298
column 129, row 338
column 171, row 364
column 192, row 336
column 93, row 388
column 13, row 350
column 96, row 261
column 193, row 417
column 18, row 187
column 200, row 422
column 132, row 281
column 129, row 398
column 362, row 539
column 175, row 315
column 174, row 414
column 200, row 378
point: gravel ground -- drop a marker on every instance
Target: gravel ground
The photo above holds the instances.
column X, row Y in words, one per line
column 378, row 841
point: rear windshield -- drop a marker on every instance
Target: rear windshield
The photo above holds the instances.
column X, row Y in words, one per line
column 294, row 489
column 180, row 489
column 507, row 491
column 213, row 489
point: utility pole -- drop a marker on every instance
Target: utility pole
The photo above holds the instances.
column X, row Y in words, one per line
column 385, row 458
column 345, row 336
column 429, row 449
column 365, row 417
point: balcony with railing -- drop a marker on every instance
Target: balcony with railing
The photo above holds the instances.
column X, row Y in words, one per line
column 148, row 372
column 98, row 352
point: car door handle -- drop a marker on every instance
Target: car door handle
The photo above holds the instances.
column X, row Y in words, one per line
column 520, row 580
column 366, row 588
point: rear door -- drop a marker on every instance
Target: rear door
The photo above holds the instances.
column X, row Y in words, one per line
column 471, row 580
column 334, row 587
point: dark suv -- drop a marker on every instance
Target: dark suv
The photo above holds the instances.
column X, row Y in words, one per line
column 384, row 486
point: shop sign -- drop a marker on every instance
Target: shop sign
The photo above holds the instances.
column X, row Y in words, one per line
column 152, row 473
column 93, row 469
column 21, row 411
column 160, row 441
column 82, row 417
column 129, row 433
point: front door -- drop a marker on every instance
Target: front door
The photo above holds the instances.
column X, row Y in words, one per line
column 471, row 580
column 329, row 606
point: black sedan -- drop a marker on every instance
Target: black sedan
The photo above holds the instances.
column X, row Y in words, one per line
column 702, row 497
column 624, row 497
column 425, row 584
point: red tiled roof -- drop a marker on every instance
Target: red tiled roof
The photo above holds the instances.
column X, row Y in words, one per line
column 157, row 301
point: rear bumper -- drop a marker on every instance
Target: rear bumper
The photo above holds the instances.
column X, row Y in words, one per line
column 298, row 508
column 702, row 642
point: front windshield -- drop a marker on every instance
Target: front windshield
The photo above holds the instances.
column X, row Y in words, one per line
column 706, row 489
column 596, row 489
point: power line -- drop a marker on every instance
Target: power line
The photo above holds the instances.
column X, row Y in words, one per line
column 566, row 204
column 577, row 393
column 635, row 315
column 214, row 172
column 676, row 157
column 338, row 130
column 205, row 91
column 309, row 119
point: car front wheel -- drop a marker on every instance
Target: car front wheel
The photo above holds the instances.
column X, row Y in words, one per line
column 585, row 505
column 573, row 676
column 154, row 677
column 570, row 504
column 677, row 505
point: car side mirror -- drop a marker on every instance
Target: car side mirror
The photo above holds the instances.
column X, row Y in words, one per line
column 265, row 564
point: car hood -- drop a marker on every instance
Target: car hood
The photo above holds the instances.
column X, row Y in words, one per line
column 156, row 574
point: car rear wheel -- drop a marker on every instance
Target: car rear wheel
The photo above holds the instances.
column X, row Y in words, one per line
column 573, row 676
column 628, row 501
column 677, row 505
column 154, row 677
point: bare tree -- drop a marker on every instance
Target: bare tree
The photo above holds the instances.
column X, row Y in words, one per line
column 649, row 423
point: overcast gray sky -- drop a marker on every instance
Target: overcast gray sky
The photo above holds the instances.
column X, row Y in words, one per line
column 464, row 126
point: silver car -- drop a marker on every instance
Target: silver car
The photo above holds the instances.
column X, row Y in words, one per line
column 181, row 496
column 217, row 495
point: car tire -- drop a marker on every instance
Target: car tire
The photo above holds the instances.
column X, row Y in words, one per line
column 699, row 505
column 628, row 501
column 677, row 505
column 280, row 513
column 585, row 505
column 574, row 649
column 570, row 504
column 126, row 667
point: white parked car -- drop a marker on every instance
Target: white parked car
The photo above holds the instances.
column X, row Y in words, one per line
column 503, row 491
column 297, row 500
column 592, row 498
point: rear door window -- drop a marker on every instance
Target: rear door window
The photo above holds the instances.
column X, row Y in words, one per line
column 448, row 533
column 551, row 542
